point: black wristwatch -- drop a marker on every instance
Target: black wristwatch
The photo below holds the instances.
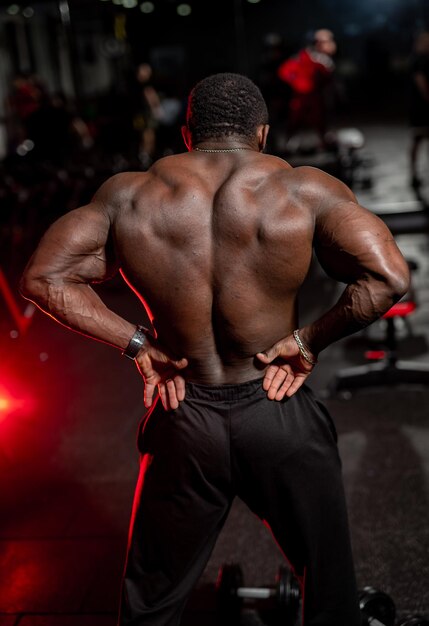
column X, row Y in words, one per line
column 136, row 343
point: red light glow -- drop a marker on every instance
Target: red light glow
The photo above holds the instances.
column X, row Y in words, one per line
column 5, row 404
column 12, row 403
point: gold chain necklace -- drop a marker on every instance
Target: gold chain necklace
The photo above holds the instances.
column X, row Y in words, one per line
column 220, row 149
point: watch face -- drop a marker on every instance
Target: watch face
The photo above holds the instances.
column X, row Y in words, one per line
column 136, row 342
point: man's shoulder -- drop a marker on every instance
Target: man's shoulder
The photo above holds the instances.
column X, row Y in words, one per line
column 125, row 188
column 302, row 180
column 123, row 181
column 309, row 176
column 119, row 189
column 317, row 188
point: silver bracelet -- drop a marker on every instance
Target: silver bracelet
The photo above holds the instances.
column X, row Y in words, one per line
column 302, row 349
column 136, row 343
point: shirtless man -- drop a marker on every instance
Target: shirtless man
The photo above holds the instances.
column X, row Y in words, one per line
column 217, row 241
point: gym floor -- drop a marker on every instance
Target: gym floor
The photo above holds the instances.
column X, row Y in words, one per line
column 68, row 461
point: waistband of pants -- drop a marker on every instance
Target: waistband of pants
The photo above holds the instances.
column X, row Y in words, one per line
column 227, row 392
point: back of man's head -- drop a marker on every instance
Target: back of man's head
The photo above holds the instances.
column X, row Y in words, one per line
column 225, row 105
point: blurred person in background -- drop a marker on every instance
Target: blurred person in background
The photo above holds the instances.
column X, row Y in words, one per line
column 57, row 131
column 276, row 92
column 310, row 77
column 25, row 95
column 147, row 114
column 418, row 103
column 115, row 142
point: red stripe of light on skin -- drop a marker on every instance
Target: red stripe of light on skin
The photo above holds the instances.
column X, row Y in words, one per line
column 401, row 309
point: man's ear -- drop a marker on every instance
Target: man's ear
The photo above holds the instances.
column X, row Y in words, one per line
column 187, row 137
column 262, row 136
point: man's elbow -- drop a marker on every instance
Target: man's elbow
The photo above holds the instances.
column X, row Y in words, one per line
column 32, row 288
column 26, row 286
column 398, row 282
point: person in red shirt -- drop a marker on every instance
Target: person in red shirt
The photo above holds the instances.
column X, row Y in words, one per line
column 309, row 74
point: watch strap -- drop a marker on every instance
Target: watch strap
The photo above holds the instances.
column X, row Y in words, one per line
column 136, row 343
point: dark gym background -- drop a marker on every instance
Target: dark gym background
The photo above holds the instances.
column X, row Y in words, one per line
column 69, row 407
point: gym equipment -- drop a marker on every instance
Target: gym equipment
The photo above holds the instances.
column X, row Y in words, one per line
column 231, row 594
column 388, row 370
column 355, row 165
column 343, row 155
column 230, row 579
column 378, row 609
column 414, row 218
column 413, row 620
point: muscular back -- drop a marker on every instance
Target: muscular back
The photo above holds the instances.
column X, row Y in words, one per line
column 217, row 247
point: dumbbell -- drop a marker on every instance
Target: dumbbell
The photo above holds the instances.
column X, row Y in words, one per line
column 378, row 609
column 231, row 593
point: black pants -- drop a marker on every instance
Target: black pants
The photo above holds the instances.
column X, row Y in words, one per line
column 280, row 458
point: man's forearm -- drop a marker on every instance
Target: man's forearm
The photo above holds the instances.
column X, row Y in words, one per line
column 79, row 308
column 360, row 305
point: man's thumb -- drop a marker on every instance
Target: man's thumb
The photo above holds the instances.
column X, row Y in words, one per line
column 267, row 356
column 181, row 363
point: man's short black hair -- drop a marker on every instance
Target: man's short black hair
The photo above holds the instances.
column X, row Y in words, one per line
column 224, row 105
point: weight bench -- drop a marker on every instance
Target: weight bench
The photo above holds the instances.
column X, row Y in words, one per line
column 386, row 369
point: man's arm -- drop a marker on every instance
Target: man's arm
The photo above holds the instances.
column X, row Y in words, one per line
column 75, row 252
column 354, row 247
column 71, row 255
